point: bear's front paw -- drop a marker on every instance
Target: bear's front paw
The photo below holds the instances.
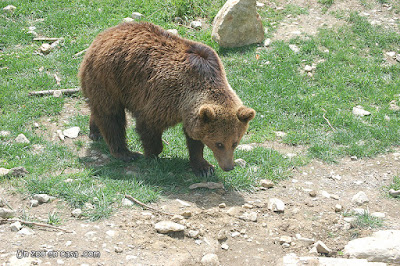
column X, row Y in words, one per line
column 128, row 156
column 204, row 170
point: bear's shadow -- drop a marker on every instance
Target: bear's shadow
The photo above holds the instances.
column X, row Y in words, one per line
column 169, row 176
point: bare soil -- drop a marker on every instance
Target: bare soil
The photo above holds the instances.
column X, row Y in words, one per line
column 129, row 236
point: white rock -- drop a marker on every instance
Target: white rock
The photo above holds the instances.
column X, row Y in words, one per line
column 292, row 260
column 193, row 233
column 164, row 227
column 240, row 162
column 57, row 94
column 238, row 24
column 249, row 216
column 72, row 132
column 280, row 134
column 225, row 246
column 359, row 111
column 15, row 227
column 266, row 183
column 294, row 48
column 173, row 31
column 126, row 202
column 41, row 198
column 136, row 15
column 46, row 48
column 258, row 4
column 322, row 248
column 378, row 215
column 391, row 54
column 26, row 231
column 118, row 249
column 325, row 194
column 360, row 211
column 128, row 20
column 111, row 233
column 183, row 203
column 245, row 147
column 382, row 246
column 394, row 193
column 68, row 243
column 9, row 8
column 304, row 239
column 4, row 133
column 360, row 198
column 398, row 57
column 267, row 42
column 186, row 214
column 210, row 260
column 34, row 203
column 308, row 68
column 338, row 208
column 276, row 205
column 76, row 213
column 22, row 139
column 4, row 171
column 177, row 218
column 285, row 239
column 222, row 205
column 196, row 24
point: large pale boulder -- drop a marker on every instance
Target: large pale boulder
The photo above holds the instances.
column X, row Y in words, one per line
column 382, row 246
column 238, row 24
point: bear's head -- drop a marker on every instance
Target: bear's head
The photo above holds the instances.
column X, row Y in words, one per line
column 221, row 130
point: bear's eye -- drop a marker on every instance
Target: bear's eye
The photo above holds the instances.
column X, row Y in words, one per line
column 234, row 145
column 219, row 145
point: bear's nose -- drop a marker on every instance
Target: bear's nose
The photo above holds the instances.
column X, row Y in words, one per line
column 228, row 168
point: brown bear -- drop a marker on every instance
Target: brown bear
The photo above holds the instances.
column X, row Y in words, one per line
column 162, row 79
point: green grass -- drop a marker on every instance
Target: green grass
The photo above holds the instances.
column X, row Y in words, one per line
column 352, row 73
column 365, row 220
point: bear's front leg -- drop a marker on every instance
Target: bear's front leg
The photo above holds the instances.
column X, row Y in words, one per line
column 151, row 138
column 199, row 165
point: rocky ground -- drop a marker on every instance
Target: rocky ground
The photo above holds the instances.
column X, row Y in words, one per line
column 312, row 215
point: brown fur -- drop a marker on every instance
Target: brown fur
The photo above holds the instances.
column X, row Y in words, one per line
column 163, row 80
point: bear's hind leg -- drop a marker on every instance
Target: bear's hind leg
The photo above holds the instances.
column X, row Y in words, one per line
column 199, row 165
column 112, row 128
column 94, row 133
column 151, row 138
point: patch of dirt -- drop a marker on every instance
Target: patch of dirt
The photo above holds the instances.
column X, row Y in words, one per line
column 129, row 236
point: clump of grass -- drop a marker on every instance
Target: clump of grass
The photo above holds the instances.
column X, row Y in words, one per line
column 54, row 218
column 327, row 3
column 365, row 220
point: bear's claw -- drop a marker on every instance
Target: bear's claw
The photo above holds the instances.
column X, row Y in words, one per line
column 205, row 171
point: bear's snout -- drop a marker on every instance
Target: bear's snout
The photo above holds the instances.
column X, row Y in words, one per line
column 228, row 168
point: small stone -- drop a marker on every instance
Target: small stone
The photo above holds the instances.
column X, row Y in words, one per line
column 183, row 203
column 111, row 233
column 305, row 240
column 4, row 171
column 267, row 42
column 325, row 194
column 126, row 202
column 286, row 245
column 225, row 246
column 177, row 218
column 240, row 162
column 193, row 233
column 380, row 215
column 245, row 147
column 118, row 249
column 360, row 198
column 26, row 231
column 4, row 133
column 164, row 227
column 308, row 68
column 266, row 183
column 22, row 139
column 72, row 132
column 398, row 57
column 128, row 20
column 391, row 54
column 312, row 193
column 233, row 211
column 249, row 216
column 34, row 203
column 88, row 206
column 196, row 25
column 222, row 205
column 222, row 235
column 9, row 9
column 68, row 243
column 173, row 31
column 46, row 48
column 247, row 206
column 41, row 198
column 186, row 214
column 276, row 205
column 210, row 260
column 353, row 158
column 349, row 219
column 285, row 239
column 294, row 48
column 137, row 16
column 76, row 213
column 322, row 248
column 235, row 234
column 359, row 111
column 394, row 193
column 15, row 227
column 338, row 208
column 280, row 134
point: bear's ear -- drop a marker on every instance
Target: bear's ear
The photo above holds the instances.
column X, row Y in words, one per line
column 245, row 114
column 207, row 113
